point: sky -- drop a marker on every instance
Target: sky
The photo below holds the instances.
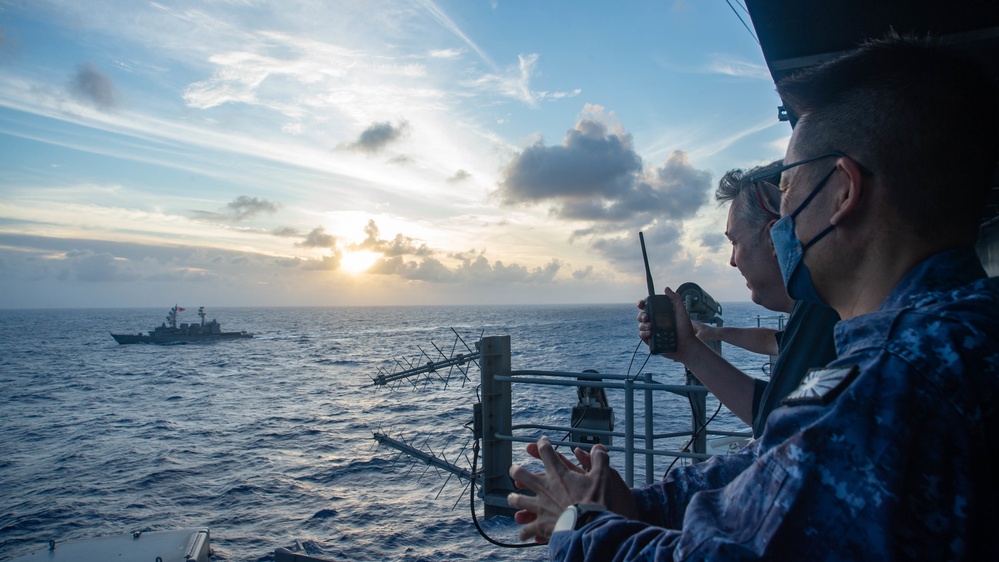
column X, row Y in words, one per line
column 356, row 153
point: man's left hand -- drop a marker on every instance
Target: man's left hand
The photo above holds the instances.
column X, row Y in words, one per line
column 562, row 484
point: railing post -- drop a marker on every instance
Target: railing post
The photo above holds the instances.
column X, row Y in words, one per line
column 698, row 413
column 699, row 406
column 629, row 431
column 650, row 460
column 497, row 454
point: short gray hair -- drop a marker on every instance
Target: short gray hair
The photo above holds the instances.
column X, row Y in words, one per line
column 760, row 201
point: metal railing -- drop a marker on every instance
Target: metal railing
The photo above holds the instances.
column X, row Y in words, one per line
column 493, row 416
column 499, row 433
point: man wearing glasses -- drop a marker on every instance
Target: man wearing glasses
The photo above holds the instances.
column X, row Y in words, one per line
column 877, row 455
column 804, row 343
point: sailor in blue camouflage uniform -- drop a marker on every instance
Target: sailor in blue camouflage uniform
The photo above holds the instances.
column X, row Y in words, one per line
column 879, row 455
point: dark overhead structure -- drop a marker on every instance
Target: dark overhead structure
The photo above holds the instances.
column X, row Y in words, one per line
column 795, row 34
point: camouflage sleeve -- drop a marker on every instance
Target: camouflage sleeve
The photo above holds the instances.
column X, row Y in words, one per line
column 722, row 523
column 665, row 503
column 612, row 537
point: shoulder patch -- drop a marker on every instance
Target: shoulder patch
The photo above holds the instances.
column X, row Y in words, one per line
column 822, row 386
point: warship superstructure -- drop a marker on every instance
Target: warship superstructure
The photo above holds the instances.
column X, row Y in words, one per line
column 170, row 332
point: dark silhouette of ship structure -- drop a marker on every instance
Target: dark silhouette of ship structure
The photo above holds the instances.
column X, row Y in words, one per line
column 170, row 333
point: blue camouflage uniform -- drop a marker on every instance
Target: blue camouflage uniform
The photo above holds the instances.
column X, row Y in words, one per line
column 879, row 456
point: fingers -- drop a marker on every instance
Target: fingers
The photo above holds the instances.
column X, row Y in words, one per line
column 562, row 484
column 681, row 311
column 523, row 517
column 532, row 449
column 645, row 332
column 554, row 462
column 583, row 457
column 527, row 504
column 525, row 478
column 644, row 327
column 521, row 486
column 528, row 530
column 527, row 517
column 599, row 459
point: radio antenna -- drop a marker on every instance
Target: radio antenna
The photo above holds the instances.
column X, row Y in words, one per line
column 648, row 272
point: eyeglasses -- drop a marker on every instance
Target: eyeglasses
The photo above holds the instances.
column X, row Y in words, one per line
column 769, row 175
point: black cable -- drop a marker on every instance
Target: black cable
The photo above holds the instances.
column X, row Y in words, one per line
column 693, row 436
column 572, row 426
column 633, row 354
column 744, row 24
column 689, row 397
column 475, row 518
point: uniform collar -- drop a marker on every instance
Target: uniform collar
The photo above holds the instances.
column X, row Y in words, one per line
column 940, row 273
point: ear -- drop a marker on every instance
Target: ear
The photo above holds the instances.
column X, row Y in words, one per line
column 852, row 190
column 769, row 240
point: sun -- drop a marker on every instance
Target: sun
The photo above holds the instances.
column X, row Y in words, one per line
column 357, row 262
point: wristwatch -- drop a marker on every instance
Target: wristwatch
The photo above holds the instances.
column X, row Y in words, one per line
column 577, row 515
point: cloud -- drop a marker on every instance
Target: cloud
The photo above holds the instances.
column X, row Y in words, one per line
column 459, row 176
column 515, row 83
column 318, row 238
column 662, row 241
column 714, row 240
column 286, row 232
column 590, row 162
column 445, row 53
column 429, row 269
column 397, row 247
column 731, row 66
column 377, row 136
column 596, row 179
column 245, row 207
column 88, row 266
column 64, row 272
column 595, row 175
column 94, row 87
column 240, row 209
column 401, row 160
column 473, row 268
column 448, row 24
column 676, row 189
column 325, row 263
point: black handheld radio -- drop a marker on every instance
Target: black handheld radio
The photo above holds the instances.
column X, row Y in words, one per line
column 660, row 311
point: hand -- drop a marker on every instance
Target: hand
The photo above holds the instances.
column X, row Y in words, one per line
column 563, row 484
column 687, row 341
column 705, row 332
column 644, row 326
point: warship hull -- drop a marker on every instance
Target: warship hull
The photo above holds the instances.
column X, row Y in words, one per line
column 178, row 338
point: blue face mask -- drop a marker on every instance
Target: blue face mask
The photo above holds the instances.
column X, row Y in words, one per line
column 791, row 252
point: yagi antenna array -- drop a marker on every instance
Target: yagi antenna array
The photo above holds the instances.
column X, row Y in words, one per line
column 447, row 460
column 432, row 459
column 426, row 368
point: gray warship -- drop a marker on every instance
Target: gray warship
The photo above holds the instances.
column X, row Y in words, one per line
column 170, row 333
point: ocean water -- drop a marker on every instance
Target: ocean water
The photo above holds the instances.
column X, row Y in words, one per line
column 267, row 442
